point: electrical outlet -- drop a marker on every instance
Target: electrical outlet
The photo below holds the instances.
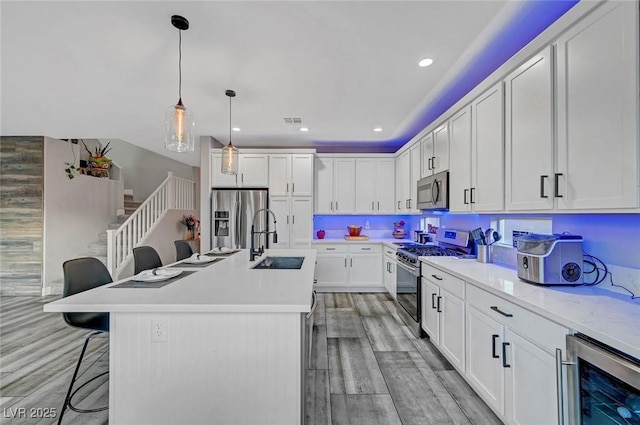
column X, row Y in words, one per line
column 159, row 329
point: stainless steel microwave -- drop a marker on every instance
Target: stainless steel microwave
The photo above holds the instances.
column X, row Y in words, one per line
column 433, row 192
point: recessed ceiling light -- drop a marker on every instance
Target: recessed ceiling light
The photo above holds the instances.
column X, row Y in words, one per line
column 304, row 129
column 425, row 62
column 377, row 129
column 236, row 129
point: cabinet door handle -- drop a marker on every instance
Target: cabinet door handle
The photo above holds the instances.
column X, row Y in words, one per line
column 410, row 203
column 465, row 196
column 388, row 267
column 288, row 189
column 473, row 189
column 372, row 206
column 366, row 249
column 556, row 193
column 331, row 205
column 336, row 205
column 293, row 219
column 293, row 187
column 496, row 309
column 429, row 164
column 378, row 205
column 406, row 204
column 438, row 305
column 241, row 177
column 287, row 219
column 433, row 162
column 345, row 261
column 542, row 195
column 436, row 277
column 329, row 249
column 504, row 354
column 398, row 204
column 433, row 300
column 494, row 355
column 350, row 262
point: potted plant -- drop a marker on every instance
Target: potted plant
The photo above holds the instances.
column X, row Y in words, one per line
column 98, row 159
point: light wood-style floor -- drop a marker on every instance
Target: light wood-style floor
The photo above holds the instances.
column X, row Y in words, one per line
column 366, row 368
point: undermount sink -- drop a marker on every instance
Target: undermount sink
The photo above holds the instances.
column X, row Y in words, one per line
column 280, row 263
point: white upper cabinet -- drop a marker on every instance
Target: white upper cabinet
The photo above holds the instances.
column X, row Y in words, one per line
column 460, row 169
column 403, row 180
column 487, row 151
column 374, row 185
column 597, row 72
column 291, row 175
column 334, row 185
column 416, row 174
column 253, row 171
column 477, row 144
column 435, row 151
column 529, row 150
column 408, row 172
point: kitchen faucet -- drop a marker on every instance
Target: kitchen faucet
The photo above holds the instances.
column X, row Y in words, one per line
column 253, row 253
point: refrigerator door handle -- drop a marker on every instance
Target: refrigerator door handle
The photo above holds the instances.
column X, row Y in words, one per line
column 237, row 220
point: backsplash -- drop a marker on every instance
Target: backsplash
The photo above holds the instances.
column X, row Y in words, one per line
column 374, row 226
column 613, row 238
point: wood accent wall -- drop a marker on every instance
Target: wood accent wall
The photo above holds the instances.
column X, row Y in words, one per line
column 21, row 215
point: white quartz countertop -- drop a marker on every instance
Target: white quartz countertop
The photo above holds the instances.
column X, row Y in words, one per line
column 229, row 285
column 604, row 315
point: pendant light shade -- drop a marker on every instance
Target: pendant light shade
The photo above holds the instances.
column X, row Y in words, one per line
column 178, row 120
column 230, row 152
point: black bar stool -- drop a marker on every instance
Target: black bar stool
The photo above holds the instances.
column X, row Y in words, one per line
column 145, row 258
column 82, row 274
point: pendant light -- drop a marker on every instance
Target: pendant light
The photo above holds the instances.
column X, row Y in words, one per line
column 179, row 124
column 230, row 152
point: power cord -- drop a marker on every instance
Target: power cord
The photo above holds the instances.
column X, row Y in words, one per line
column 601, row 272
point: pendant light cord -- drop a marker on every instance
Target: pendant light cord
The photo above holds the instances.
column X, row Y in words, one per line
column 180, row 64
column 229, row 119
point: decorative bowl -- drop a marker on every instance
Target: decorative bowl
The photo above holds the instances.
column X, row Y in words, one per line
column 399, row 233
column 354, row 230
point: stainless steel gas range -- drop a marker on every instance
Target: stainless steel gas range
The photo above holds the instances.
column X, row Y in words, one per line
column 452, row 243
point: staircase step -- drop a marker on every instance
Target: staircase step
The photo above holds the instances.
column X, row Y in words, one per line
column 129, row 211
column 131, row 204
column 128, row 197
column 98, row 249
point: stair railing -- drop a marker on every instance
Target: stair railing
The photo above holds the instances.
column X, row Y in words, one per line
column 173, row 193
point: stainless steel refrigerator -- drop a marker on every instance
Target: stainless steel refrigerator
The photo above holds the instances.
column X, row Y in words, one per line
column 232, row 212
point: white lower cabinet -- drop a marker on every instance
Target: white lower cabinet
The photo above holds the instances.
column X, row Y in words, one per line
column 530, row 383
column 510, row 358
column 389, row 271
column 348, row 267
column 443, row 311
column 484, row 368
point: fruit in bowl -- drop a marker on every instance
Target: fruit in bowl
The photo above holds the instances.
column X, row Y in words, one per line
column 354, row 230
column 399, row 233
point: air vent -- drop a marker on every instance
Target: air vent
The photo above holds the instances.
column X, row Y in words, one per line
column 292, row 120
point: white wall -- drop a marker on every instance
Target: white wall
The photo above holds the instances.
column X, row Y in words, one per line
column 168, row 229
column 75, row 211
column 144, row 170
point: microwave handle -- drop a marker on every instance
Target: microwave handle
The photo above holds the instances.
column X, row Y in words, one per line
column 436, row 186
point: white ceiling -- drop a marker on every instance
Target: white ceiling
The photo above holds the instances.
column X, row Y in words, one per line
column 108, row 69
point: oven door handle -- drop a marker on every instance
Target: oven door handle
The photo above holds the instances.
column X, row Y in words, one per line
column 413, row 271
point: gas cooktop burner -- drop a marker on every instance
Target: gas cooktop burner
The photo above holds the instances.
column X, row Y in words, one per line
column 452, row 244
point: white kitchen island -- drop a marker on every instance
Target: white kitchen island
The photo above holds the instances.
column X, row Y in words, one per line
column 223, row 345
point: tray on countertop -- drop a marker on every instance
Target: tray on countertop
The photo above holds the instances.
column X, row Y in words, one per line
column 356, row 238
